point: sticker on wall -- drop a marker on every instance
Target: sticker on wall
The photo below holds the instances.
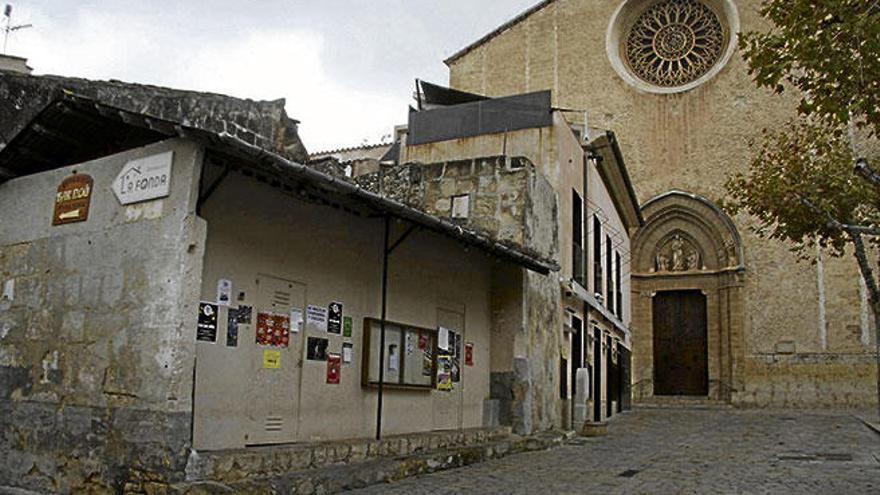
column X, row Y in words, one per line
column 224, row 292
column 144, row 179
column 271, row 359
column 334, row 318
column 469, row 354
column 347, row 352
column 316, row 349
column 232, row 328
column 346, row 326
column 334, row 368
column 316, row 317
column 72, row 199
column 444, row 372
column 273, row 329
column 245, row 314
column 207, row 323
column 296, row 320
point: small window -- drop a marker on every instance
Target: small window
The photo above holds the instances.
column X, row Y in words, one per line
column 461, row 205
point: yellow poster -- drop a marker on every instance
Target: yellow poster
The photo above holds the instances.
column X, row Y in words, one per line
column 271, row 359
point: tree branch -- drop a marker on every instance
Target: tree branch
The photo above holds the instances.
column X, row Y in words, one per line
column 865, row 267
column 863, row 169
column 836, row 224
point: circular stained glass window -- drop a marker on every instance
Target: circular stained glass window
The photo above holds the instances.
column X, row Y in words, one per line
column 674, row 42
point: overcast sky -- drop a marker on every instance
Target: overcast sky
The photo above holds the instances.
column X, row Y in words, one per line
column 345, row 67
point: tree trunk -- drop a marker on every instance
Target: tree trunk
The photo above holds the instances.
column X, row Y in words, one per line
column 861, row 255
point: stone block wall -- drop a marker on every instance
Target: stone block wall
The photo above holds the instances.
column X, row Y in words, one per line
column 96, row 343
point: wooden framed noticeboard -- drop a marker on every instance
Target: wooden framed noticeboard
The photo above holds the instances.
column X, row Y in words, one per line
column 410, row 356
column 72, row 199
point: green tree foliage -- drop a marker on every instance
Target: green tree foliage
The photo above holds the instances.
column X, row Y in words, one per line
column 827, row 49
column 802, row 185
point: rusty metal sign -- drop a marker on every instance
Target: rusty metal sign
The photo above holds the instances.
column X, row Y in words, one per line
column 72, row 199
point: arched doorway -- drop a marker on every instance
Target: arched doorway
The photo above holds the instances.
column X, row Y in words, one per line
column 687, row 300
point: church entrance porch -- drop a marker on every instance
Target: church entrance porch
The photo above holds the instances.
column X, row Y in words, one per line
column 681, row 360
column 687, row 301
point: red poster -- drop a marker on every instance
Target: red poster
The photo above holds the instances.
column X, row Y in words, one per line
column 469, row 354
column 334, row 368
column 423, row 341
column 273, row 330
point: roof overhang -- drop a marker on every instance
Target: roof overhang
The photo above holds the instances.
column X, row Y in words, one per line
column 73, row 129
column 613, row 171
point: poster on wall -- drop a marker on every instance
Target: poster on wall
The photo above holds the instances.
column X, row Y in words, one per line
column 245, row 315
column 296, row 320
column 423, row 341
column 427, row 362
column 455, row 348
column 444, row 373
column 443, row 338
column 273, row 329
column 224, row 292
column 316, row 317
column 346, row 326
column 334, row 368
column 347, row 352
column 206, row 331
column 271, row 359
column 334, row 318
column 316, row 349
column 469, row 354
column 232, row 322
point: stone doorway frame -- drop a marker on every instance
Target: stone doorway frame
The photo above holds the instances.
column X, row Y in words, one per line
column 688, row 243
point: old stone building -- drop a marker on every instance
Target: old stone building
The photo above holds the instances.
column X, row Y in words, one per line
column 718, row 312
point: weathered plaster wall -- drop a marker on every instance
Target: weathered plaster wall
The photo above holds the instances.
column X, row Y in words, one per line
column 96, row 347
column 255, row 230
column 689, row 141
column 261, row 123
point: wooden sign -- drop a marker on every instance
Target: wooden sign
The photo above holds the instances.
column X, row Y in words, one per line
column 72, row 200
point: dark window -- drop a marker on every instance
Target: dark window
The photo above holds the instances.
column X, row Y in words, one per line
column 597, row 255
column 563, row 378
column 577, row 235
column 609, row 276
column 619, row 285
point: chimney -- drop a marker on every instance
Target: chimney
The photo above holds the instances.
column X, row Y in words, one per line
column 9, row 63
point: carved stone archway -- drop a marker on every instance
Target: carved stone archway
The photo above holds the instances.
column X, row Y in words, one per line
column 687, row 244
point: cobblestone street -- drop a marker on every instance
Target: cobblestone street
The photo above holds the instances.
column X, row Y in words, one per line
column 661, row 451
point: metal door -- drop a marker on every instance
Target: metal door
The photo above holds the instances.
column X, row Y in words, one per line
column 448, row 405
column 681, row 361
column 274, row 387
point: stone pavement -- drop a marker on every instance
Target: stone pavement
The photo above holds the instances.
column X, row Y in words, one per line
column 664, row 451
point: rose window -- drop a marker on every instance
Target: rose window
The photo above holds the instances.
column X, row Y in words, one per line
column 674, row 42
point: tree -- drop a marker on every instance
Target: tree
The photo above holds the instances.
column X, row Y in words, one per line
column 802, row 185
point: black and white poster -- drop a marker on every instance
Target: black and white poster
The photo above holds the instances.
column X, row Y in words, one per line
column 207, row 324
column 316, row 349
column 334, row 318
column 232, row 321
column 245, row 313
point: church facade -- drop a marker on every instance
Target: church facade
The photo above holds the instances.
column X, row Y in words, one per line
column 717, row 312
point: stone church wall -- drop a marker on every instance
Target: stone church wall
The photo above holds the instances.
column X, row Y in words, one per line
column 691, row 141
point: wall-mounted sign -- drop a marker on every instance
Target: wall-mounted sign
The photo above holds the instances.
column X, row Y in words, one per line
column 144, row 179
column 72, row 199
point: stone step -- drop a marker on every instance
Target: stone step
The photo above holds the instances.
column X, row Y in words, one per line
column 681, row 401
column 337, row 478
